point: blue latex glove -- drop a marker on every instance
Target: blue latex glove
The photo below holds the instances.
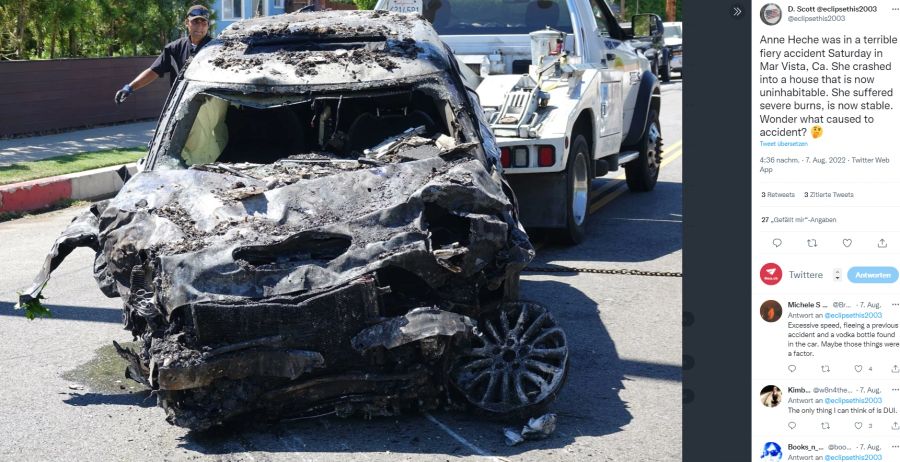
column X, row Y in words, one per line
column 123, row 94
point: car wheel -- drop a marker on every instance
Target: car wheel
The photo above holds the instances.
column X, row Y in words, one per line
column 665, row 73
column 641, row 173
column 515, row 365
column 578, row 191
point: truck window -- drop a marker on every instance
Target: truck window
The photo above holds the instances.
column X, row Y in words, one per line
column 602, row 27
column 673, row 31
column 483, row 17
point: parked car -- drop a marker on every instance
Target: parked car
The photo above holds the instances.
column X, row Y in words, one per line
column 321, row 226
column 672, row 37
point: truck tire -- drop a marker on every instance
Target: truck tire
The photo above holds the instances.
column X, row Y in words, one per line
column 641, row 173
column 665, row 73
column 578, row 191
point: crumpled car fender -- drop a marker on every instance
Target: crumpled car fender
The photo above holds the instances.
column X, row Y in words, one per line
column 83, row 231
column 418, row 324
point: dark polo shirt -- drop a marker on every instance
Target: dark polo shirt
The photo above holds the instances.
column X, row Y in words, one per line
column 174, row 55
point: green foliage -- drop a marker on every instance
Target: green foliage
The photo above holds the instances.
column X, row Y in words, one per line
column 69, row 163
column 633, row 7
column 365, row 4
column 37, row 29
column 35, row 309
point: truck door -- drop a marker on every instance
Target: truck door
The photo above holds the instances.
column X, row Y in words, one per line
column 614, row 78
column 620, row 55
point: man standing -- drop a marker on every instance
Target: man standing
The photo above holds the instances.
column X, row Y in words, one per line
column 175, row 54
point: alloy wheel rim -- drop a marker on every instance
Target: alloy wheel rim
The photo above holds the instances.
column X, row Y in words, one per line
column 654, row 156
column 580, row 191
column 518, row 360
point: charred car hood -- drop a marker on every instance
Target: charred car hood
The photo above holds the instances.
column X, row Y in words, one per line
column 222, row 236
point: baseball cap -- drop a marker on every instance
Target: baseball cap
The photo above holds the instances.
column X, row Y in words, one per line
column 198, row 11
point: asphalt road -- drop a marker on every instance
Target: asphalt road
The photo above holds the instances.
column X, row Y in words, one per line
column 622, row 401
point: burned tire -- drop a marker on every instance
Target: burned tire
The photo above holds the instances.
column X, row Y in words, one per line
column 641, row 173
column 578, row 192
column 516, row 365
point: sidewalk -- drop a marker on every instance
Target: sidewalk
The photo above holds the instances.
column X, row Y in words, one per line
column 95, row 139
column 39, row 194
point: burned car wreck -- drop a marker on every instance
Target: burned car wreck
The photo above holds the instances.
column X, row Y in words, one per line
column 321, row 227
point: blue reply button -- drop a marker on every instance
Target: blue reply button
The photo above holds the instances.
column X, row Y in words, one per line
column 872, row 274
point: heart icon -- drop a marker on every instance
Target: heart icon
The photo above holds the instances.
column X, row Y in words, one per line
column 776, row 242
column 848, row 242
column 792, row 425
column 792, row 368
column 858, row 368
column 858, row 425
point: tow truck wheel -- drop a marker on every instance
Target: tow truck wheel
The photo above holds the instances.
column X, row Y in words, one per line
column 578, row 191
column 641, row 173
column 665, row 73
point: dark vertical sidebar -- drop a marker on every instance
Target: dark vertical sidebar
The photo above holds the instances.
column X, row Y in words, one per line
column 717, row 231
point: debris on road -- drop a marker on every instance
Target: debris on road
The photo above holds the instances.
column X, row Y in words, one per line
column 537, row 428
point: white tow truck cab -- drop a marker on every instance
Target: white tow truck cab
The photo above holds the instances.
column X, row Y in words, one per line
column 567, row 98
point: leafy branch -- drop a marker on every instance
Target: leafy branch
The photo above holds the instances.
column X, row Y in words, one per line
column 34, row 308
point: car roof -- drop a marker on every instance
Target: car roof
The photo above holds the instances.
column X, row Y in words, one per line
column 321, row 48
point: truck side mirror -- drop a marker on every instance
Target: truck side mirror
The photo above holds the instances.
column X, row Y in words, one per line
column 646, row 25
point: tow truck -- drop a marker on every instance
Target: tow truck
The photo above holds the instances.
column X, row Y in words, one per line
column 566, row 96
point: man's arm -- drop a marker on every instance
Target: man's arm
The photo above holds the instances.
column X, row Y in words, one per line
column 142, row 80
column 155, row 71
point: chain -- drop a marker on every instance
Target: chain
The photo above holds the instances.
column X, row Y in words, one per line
column 626, row 272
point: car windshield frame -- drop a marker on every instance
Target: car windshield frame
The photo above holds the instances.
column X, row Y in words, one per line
column 167, row 152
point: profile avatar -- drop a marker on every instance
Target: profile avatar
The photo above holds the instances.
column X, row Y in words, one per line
column 770, row 274
column 771, row 451
column 770, row 396
column 770, row 311
column 770, row 14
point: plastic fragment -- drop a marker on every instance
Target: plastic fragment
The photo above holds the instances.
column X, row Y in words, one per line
column 537, row 428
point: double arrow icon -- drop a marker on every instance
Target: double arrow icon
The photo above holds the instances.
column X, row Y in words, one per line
column 737, row 10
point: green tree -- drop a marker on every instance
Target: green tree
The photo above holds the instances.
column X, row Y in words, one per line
column 628, row 8
column 31, row 29
column 365, row 4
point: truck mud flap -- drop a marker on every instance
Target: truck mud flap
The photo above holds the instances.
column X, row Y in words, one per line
column 542, row 199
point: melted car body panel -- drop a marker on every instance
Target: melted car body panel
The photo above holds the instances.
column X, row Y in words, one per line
column 308, row 243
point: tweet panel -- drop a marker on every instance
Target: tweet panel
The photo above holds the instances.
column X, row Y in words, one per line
column 825, row 308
